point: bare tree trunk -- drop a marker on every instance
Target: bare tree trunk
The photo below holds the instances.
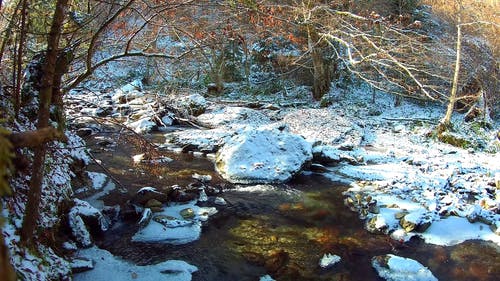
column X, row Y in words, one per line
column 8, row 31
column 32, row 212
column 19, row 63
column 6, row 271
column 446, row 121
column 321, row 73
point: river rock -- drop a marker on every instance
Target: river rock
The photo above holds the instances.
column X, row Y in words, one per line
column 187, row 213
column 81, row 264
column 232, row 115
column 145, row 217
column 417, row 221
column 147, row 193
column 153, row 203
column 194, row 104
column 81, row 215
column 263, row 155
column 170, row 221
column 394, row 268
column 328, row 260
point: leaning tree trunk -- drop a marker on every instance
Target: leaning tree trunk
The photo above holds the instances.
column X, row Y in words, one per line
column 321, row 73
column 32, row 212
column 445, row 123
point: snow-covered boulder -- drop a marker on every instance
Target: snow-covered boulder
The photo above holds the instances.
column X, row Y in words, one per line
column 81, row 213
column 199, row 140
column 143, row 125
column 232, row 115
column 262, row 155
column 195, row 104
column 394, row 268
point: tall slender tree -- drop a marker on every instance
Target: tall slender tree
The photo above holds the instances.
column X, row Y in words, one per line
column 32, row 212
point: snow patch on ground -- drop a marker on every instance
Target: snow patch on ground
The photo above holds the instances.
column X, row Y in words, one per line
column 454, row 230
column 108, row 267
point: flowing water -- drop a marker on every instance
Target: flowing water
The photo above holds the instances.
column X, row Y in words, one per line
column 281, row 230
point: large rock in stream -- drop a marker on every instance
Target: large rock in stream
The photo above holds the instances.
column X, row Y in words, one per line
column 263, row 155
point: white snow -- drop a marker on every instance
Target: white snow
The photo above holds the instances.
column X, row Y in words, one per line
column 266, row 278
column 98, row 180
column 262, row 155
column 329, row 260
column 77, row 225
column 95, row 199
column 142, row 125
column 109, row 268
column 180, row 234
column 138, row 158
column 400, row 268
column 454, row 230
column 232, row 115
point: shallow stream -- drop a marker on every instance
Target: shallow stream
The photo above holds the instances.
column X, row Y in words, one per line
column 281, row 230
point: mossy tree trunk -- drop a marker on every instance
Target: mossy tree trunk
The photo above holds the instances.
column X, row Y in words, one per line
column 321, row 71
column 48, row 78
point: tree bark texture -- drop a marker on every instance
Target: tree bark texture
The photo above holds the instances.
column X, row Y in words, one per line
column 321, row 72
column 32, row 212
column 33, row 139
column 20, row 51
column 445, row 122
column 6, row 271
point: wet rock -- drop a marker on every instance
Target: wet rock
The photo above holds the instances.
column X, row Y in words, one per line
column 187, row 213
column 318, row 168
column 327, row 155
column 153, row 203
column 81, row 264
column 105, row 142
column 84, row 132
column 377, row 224
column 147, row 193
column 104, row 111
column 156, row 209
column 361, row 203
column 254, row 258
column 416, row 221
column 143, row 125
column 276, row 260
column 262, row 155
column 220, row 201
column 495, row 227
column 328, row 260
column 394, row 268
column 146, row 216
column 202, row 178
column 81, row 215
column 182, row 196
column 170, row 221
column 203, row 196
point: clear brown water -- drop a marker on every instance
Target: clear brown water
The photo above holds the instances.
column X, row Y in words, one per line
column 303, row 219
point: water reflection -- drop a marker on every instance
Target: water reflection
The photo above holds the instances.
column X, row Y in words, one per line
column 282, row 230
